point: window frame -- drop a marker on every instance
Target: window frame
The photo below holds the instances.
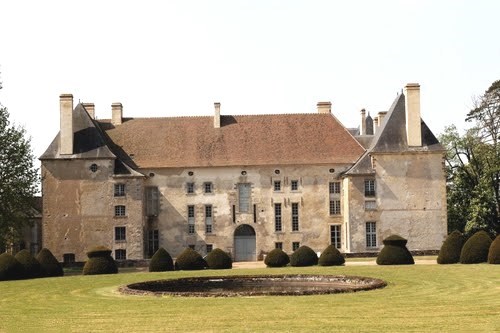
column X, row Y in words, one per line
column 277, row 185
column 191, row 218
column 120, row 211
column 120, row 234
column 371, row 234
column 295, row 216
column 370, row 188
column 278, row 245
column 278, row 220
column 153, row 241
column 294, row 185
column 334, row 187
column 119, row 190
column 295, row 246
column 336, row 235
column 244, row 188
column 122, row 256
column 335, row 207
column 208, row 188
column 190, row 188
column 209, row 219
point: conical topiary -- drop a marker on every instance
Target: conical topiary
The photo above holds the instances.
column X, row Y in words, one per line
column 161, row 261
column 190, row 260
column 31, row 266
column 49, row 264
column 395, row 252
column 218, row 259
column 10, row 268
column 451, row 248
column 494, row 252
column 303, row 256
column 331, row 256
column 475, row 250
column 100, row 262
column 277, row 258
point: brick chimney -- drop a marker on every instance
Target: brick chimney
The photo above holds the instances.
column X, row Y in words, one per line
column 217, row 115
column 90, row 107
column 412, row 108
column 116, row 113
column 66, row 133
column 362, row 127
column 324, row 107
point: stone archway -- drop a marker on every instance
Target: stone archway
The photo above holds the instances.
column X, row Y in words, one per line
column 244, row 243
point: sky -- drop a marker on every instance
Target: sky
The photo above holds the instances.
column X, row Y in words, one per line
column 176, row 58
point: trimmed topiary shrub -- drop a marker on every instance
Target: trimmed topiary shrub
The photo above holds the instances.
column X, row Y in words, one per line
column 331, row 256
column 303, row 256
column 190, row 260
column 277, row 258
column 10, row 268
column 451, row 248
column 475, row 250
column 49, row 264
column 161, row 261
column 395, row 252
column 218, row 259
column 100, row 262
column 31, row 266
column 494, row 252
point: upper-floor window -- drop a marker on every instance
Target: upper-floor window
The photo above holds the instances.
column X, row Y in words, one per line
column 190, row 188
column 370, row 205
column 277, row 185
column 208, row 219
column 152, row 201
column 335, row 207
column 294, row 185
column 120, row 211
column 153, row 242
column 369, row 187
column 334, row 187
column 277, row 217
column 244, row 197
column 295, row 216
column 120, row 234
column 119, row 190
column 191, row 219
column 208, row 187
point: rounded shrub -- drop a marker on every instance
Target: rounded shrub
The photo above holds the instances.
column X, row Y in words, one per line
column 10, row 268
column 395, row 252
column 161, row 261
column 475, row 250
column 31, row 266
column 494, row 252
column 218, row 259
column 303, row 256
column 190, row 260
column 49, row 264
column 331, row 256
column 277, row 258
column 451, row 248
column 100, row 262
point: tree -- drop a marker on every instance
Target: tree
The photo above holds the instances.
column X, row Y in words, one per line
column 473, row 167
column 18, row 179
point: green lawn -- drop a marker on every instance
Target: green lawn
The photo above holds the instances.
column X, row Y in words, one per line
column 423, row 298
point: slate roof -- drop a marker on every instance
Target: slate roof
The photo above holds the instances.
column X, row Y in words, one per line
column 284, row 139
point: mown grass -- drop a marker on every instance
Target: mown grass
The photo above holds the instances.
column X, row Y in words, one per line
column 424, row 298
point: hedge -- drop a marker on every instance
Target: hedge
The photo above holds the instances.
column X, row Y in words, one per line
column 31, row 266
column 49, row 264
column 190, row 260
column 475, row 250
column 395, row 252
column 451, row 248
column 331, row 256
column 303, row 256
column 161, row 261
column 277, row 258
column 10, row 268
column 100, row 262
column 218, row 259
column 494, row 251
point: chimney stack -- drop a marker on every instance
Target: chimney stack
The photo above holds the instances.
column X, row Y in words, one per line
column 217, row 115
column 412, row 108
column 381, row 116
column 324, row 107
column 362, row 127
column 375, row 125
column 90, row 107
column 116, row 113
column 66, row 114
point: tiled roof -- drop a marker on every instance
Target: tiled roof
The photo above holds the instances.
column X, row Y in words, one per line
column 241, row 140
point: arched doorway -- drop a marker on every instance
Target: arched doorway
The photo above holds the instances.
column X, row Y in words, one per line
column 244, row 243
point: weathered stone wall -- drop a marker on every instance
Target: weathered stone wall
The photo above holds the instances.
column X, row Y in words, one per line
column 78, row 209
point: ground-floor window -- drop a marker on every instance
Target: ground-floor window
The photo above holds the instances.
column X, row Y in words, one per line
column 278, row 245
column 335, row 236
column 295, row 245
column 68, row 258
column 191, row 246
column 153, row 242
column 371, row 234
column 120, row 254
column 210, row 247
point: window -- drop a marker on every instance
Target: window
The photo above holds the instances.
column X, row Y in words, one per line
column 277, row 185
column 295, row 246
column 191, row 246
column 208, row 219
column 295, row 216
column 190, row 188
column 209, row 248
column 120, row 211
column 244, row 197
column 278, row 245
column 335, row 236
column 120, row 234
column 370, row 205
column 153, row 242
column 254, row 213
column 152, row 201
column 120, row 254
column 369, row 187
column 68, row 258
column 335, row 207
column 119, row 190
column 208, row 187
column 334, row 187
column 94, row 167
column 371, row 234
column 294, row 184
column 277, row 217
column 190, row 219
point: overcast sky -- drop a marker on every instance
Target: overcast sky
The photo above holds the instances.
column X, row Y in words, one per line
column 176, row 58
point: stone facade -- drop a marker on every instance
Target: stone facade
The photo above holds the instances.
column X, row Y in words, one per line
column 295, row 180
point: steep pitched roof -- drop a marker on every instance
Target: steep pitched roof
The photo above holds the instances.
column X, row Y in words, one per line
column 241, row 140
